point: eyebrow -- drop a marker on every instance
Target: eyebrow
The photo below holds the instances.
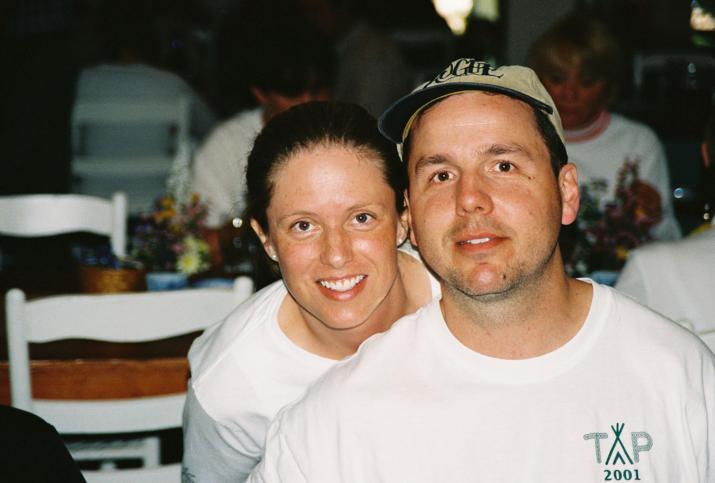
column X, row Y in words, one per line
column 430, row 160
column 370, row 206
column 492, row 150
column 499, row 149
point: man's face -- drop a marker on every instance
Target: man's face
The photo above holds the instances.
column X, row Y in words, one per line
column 485, row 206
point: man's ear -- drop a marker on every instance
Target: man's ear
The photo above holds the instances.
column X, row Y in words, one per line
column 570, row 198
column 265, row 239
column 408, row 215
column 403, row 227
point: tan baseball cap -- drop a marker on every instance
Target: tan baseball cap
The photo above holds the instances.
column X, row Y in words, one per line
column 467, row 75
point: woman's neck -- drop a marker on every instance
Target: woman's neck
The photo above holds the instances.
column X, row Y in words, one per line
column 591, row 131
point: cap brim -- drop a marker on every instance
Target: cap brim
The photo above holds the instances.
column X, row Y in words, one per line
column 392, row 122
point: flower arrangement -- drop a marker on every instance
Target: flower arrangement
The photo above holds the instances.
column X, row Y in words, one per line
column 168, row 238
column 602, row 238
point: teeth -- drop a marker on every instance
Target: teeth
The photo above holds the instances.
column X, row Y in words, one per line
column 342, row 285
column 477, row 241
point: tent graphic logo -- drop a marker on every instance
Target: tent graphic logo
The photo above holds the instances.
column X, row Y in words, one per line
column 620, row 453
column 617, row 449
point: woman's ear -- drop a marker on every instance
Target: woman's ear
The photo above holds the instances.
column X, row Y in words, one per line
column 265, row 240
column 570, row 199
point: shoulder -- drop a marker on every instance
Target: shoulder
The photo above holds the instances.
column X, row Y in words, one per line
column 636, row 130
column 241, row 128
column 411, row 261
column 380, row 360
column 656, row 253
column 239, row 328
column 17, row 423
column 647, row 331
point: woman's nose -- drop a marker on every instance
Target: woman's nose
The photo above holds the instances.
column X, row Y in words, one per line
column 337, row 248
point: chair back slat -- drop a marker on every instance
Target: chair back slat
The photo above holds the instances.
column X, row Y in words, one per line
column 48, row 215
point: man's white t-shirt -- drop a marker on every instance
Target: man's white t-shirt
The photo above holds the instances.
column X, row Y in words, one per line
column 219, row 167
column 631, row 397
column 601, row 157
column 675, row 279
column 244, row 369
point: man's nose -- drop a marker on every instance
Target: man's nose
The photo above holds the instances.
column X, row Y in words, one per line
column 473, row 196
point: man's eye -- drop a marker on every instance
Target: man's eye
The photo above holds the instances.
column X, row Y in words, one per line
column 441, row 176
column 363, row 218
column 505, row 166
column 302, row 226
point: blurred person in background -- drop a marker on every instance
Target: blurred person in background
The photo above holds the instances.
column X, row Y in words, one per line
column 129, row 69
column 579, row 60
column 675, row 278
column 284, row 63
column 371, row 70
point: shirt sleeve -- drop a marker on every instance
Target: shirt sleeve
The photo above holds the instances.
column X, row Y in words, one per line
column 211, row 181
column 279, row 464
column 214, row 452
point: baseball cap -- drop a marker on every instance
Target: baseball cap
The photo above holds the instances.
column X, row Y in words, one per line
column 468, row 75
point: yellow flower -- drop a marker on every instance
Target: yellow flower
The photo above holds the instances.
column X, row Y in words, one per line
column 195, row 257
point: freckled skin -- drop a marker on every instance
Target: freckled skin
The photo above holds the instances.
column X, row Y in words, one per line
column 508, row 194
column 332, row 217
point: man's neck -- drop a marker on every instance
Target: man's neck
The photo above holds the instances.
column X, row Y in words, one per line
column 530, row 321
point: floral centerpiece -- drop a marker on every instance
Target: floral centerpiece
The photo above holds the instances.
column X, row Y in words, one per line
column 602, row 237
column 168, row 238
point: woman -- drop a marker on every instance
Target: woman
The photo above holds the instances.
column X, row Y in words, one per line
column 325, row 199
column 578, row 60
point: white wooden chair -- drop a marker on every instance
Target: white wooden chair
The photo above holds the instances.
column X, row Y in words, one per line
column 46, row 215
column 162, row 474
column 143, row 177
column 127, row 317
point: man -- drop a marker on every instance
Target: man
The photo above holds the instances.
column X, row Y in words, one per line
column 675, row 278
column 519, row 373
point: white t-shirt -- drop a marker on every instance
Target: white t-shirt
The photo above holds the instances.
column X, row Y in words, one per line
column 630, row 397
column 602, row 157
column 219, row 167
column 675, row 279
column 244, row 369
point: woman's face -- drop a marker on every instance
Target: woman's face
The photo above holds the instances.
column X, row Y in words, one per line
column 578, row 97
column 333, row 226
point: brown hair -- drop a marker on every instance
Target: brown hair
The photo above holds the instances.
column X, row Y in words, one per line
column 582, row 42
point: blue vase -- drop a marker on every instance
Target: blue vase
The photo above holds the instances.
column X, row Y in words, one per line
column 157, row 281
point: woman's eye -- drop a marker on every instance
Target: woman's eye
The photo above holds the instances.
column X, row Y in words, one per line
column 441, row 176
column 363, row 218
column 505, row 166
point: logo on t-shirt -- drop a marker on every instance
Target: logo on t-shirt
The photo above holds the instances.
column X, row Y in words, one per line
column 622, row 453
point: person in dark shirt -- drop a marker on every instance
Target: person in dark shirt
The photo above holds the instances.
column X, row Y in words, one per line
column 31, row 451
